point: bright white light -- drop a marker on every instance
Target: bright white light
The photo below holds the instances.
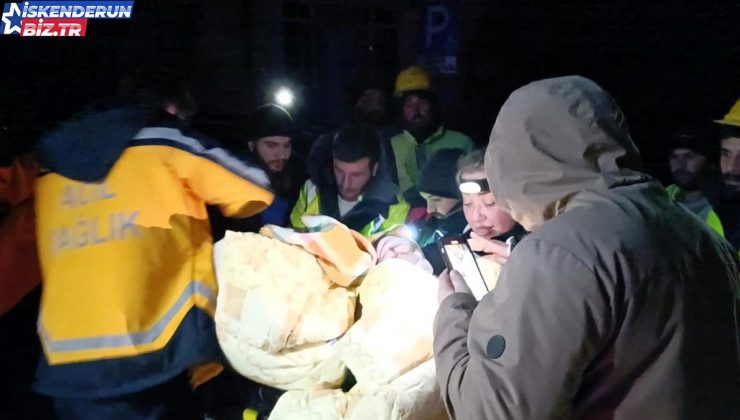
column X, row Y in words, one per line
column 470, row 187
column 410, row 232
column 284, row 97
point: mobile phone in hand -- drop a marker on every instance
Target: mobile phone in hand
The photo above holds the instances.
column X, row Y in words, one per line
column 458, row 256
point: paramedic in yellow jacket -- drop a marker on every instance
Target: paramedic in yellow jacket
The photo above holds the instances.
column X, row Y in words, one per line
column 125, row 251
column 349, row 191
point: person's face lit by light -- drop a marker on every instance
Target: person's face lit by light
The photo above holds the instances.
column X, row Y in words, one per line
column 352, row 177
column 729, row 163
column 274, row 151
column 483, row 215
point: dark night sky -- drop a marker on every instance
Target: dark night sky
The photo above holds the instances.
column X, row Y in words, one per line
column 666, row 62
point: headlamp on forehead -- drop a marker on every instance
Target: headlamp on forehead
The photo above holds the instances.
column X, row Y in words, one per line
column 474, row 186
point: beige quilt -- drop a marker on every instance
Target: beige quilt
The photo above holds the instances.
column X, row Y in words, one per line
column 276, row 312
column 389, row 350
column 286, row 319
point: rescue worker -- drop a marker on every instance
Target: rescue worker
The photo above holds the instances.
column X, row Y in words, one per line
column 728, row 209
column 125, row 249
column 350, row 191
column 489, row 227
column 265, row 137
column 270, row 143
column 691, row 159
column 368, row 99
column 438, row 187
column 424, row 131
column 618, row 304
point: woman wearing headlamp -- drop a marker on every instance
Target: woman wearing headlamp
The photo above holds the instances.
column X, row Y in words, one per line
column 490, row 231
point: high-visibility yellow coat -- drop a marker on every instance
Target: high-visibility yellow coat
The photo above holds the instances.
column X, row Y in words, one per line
column 126, row 261
column 387, row 218
column 710, row 217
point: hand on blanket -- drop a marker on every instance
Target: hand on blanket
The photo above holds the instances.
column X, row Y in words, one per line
column 451, row 282
column 402, row 248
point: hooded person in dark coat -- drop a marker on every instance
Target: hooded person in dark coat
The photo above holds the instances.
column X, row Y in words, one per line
column 617, row 305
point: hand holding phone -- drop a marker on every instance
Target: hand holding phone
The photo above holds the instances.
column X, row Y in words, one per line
column 450, row 281
column 458, row 256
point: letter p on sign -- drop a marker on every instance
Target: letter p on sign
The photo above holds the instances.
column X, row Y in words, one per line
column 438, row 17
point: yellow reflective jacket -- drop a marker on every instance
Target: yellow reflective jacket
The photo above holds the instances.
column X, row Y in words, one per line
column 125, row 260
column 710, row 218
column 410, row 154
column 383, row 219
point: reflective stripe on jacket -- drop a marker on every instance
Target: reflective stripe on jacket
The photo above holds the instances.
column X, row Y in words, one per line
column 125, row 260
column 308, row 203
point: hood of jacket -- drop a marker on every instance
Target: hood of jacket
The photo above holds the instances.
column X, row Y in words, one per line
column 86, row 147
column 552, row 139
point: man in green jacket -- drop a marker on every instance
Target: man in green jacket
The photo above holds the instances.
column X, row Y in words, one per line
column 691, row 154
column 351, row 192
column 728, row 205
column 424, row 134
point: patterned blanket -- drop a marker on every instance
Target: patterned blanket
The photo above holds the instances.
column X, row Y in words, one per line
column 286, row 318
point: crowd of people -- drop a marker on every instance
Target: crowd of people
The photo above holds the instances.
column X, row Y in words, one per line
column 617, row 301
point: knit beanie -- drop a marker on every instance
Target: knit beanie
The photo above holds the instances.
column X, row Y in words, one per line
column 270, row 120
column 438, row 174
column 700, row 139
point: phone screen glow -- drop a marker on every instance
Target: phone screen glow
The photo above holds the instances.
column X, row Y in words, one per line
column 462, row 259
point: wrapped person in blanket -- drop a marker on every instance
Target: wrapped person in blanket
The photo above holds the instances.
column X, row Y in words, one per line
column 319, row 313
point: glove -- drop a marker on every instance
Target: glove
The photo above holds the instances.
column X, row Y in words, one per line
column 402, row 248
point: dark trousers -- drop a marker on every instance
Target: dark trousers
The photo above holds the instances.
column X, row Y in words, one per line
column 19, row 353
column 171, row 400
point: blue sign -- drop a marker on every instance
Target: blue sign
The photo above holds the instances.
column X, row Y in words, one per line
column 440, row 37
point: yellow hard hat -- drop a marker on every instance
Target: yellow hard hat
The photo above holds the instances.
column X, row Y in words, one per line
column 732, row 117
column 412, row 78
